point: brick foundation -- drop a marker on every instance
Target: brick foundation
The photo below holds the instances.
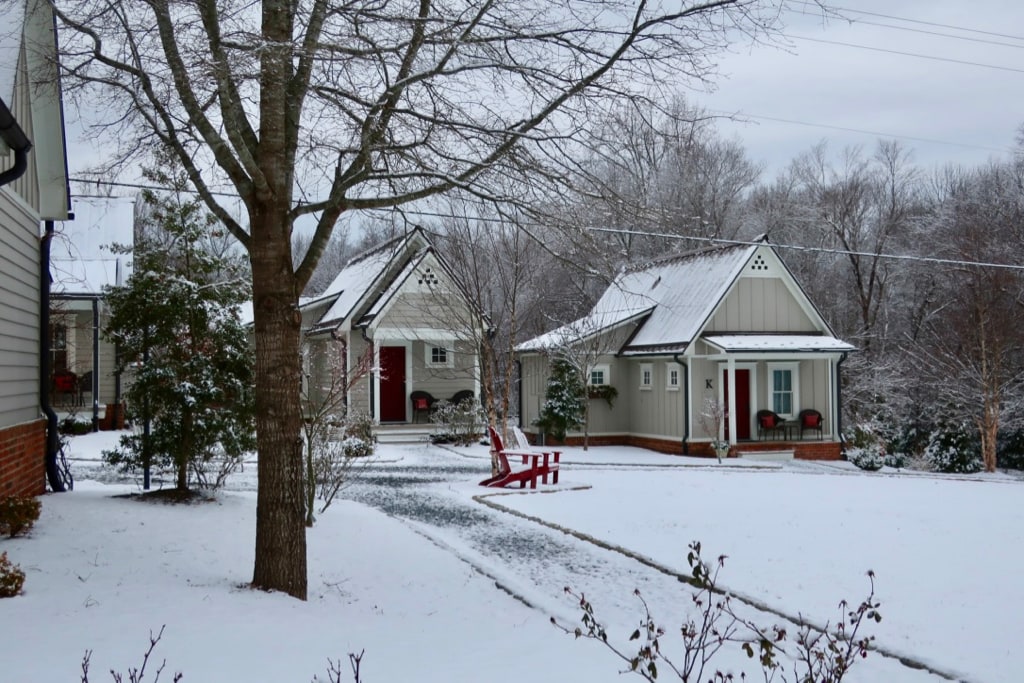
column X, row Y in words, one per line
column 22, row 466
column 802, row 450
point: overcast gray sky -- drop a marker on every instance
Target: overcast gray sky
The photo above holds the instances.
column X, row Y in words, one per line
column 960, row 84
column 846, row 74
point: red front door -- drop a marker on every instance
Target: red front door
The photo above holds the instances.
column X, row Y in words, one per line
column 742, row 403
column 392, row 384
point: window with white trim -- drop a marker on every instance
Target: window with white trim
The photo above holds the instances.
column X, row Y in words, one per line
column 672, row 376
column 783, row 387
column 600, row 375
column 646, row 376
column 438, row 356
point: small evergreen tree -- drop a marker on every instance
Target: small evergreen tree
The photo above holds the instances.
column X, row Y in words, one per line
column 564, row 401
column 177, row 327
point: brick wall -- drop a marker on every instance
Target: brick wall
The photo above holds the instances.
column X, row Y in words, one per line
column 22, row 469
column 803, row 450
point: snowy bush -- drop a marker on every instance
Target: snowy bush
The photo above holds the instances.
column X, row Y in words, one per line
column 11, row 578
column 461, row 423
column 1010, row 453
column 868, row 458
column 954, row 449
column 355, row 447
column 18, row 514
column 895, row 460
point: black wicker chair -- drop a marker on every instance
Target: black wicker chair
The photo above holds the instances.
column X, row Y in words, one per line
column 810, row 421
column 769, row 424
column 422, row 404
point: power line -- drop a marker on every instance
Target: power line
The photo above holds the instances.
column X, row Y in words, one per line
column 644, row 233
column 821, row 250
column 864, row 131
column 920, row 22
column 907, row 54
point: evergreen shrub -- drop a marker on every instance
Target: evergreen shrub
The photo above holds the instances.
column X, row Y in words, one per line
column 11, row 578
column 954, row 449
column 18, row 514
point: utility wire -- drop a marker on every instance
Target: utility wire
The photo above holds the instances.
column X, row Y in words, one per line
column 907, row 54
column 742, row 115
column 821, row 250
column 908, row 20
column 644, row 233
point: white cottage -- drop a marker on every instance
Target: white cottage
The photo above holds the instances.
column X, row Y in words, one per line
column 725, row 326
column 397, row 329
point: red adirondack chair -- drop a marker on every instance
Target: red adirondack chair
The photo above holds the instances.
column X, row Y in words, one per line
column 534, row 464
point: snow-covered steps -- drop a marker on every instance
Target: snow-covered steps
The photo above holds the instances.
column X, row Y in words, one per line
column 404, row 433
column 768, row 456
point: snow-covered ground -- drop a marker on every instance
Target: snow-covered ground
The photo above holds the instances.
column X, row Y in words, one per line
column 436, row 585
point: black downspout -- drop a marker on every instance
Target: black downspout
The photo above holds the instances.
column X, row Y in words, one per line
column 96, row 364
column 839, row 406
column 53, row 475
column 686, row 403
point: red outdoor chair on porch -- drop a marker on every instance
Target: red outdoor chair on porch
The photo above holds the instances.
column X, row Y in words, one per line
column 769, row 424
column 422, row 404
column 811, row 420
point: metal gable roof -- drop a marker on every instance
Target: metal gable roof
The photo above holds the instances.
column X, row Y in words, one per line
column 674, row 299
column 687, row 291
column 361, row 276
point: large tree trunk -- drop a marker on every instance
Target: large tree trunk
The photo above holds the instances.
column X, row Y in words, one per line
column 280, row 517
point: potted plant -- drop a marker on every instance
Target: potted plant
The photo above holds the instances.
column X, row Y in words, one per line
column 721, row 448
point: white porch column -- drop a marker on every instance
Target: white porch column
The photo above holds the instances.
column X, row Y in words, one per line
column 731, row 379
column 376, row 378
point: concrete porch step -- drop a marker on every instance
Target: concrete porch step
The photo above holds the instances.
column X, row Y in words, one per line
column 404, row 433
column 767, row 456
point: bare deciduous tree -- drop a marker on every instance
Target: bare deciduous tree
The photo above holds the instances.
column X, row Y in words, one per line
column 313, row 108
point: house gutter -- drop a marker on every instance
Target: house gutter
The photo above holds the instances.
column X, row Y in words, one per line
column 15, row 138
column 686, row 403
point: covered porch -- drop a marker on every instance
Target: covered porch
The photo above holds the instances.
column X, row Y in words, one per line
column 413, row 374
column 778, row 393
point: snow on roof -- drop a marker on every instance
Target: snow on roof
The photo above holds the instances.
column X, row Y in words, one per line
column 679, row 293
column 579, row 330
column 12, row 19
column 353, row 282
column 778, row 342
column 81, row 258
column 687, row 289
column 361, row 274
column 396, row 284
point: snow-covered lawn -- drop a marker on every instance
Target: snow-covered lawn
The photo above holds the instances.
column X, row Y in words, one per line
column 421, row 598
